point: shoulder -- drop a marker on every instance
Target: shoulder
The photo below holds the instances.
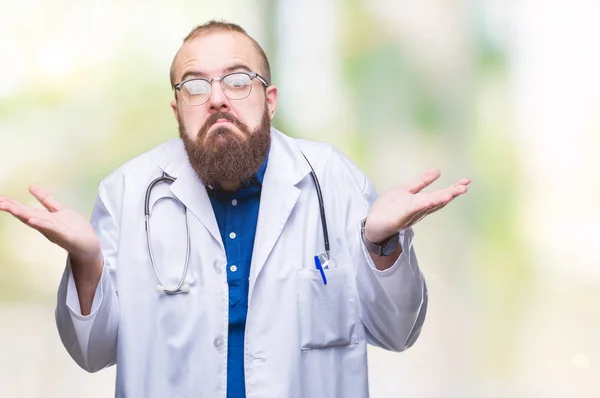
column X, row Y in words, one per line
column 331, row 163
column 143, row 166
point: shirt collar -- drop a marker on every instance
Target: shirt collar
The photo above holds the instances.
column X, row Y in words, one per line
column 260, row 174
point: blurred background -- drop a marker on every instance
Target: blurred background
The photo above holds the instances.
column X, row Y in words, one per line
column 506, row 92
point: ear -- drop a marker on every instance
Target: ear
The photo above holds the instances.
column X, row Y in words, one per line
column 174, row 107
column 271, row 97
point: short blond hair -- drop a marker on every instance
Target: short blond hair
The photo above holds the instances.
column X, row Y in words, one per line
column 220, row 25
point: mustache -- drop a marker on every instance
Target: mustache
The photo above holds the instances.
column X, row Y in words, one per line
column 212, row 119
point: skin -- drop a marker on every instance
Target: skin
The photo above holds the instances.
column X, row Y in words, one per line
column 213, row 55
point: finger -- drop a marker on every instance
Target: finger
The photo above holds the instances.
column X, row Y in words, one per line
column 415, row 218
column 457, row 190
column 424, row 213
column 445, row 194
column 45, row 198
column 18, row 210
column 423, row 180
column 463, row 181
column 441, row 197
column 436, row 208
column 425, row 208
column 428, row 200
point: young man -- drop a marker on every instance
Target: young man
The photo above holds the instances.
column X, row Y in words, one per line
column 242, row 297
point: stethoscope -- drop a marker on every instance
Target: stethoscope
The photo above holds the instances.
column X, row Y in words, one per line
column 183, row 287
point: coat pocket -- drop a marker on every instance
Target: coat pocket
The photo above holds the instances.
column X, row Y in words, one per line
column 327, row 314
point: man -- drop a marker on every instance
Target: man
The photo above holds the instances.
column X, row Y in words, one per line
column 248, row 302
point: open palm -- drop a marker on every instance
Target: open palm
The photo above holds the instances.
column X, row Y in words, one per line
column 405, row 205
column 61, row 225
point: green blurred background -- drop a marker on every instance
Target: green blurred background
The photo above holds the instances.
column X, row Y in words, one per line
column 505, row 92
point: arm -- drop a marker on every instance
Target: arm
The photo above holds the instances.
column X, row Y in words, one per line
column 392, row 291
column 87, row 311
column 86, row 273
column 382, row 263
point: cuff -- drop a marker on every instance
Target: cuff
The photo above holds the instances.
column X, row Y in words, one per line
column 405, row 240
column 73, row 298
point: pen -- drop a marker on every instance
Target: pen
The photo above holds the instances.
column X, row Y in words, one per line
column 320, row 268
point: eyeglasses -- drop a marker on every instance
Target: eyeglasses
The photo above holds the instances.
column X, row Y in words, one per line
column 235, row 86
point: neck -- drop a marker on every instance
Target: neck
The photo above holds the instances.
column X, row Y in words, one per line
column 230, row 186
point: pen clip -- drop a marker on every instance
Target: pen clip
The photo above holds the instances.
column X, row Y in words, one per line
column 320, row 268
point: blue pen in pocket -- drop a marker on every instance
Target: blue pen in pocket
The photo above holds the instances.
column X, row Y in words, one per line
column 320, row 268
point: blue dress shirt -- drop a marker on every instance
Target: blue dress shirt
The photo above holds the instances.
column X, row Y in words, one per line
column 237, row 216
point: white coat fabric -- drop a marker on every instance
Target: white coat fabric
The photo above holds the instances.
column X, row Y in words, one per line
column 304, row 339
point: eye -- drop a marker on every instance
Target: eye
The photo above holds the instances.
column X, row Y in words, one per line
column 237, row 81
column 197, row 87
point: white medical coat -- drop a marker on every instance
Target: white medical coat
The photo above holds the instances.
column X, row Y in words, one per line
column 304, row 339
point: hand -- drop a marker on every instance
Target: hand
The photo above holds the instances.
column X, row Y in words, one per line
column 61, row 225
column 405, row 205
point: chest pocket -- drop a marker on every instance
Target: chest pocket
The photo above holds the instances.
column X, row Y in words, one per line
column 327, row 312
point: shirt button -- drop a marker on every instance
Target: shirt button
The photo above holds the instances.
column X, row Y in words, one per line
column 234, row 202
column 232, row 235
column 233, row 268
column 219, row 342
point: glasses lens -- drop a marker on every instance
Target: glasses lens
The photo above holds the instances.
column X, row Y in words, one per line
column 237, row 85
column 195, row 92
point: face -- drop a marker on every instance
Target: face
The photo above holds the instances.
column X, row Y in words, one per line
column 225, row 139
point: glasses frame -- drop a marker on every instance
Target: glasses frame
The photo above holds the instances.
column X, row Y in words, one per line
column 251, row 75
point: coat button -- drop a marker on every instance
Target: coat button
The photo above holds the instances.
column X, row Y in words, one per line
column 219, row 342
column 257, row 360
column 219, row 266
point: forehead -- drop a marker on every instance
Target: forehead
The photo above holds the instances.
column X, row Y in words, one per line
column 213, row 52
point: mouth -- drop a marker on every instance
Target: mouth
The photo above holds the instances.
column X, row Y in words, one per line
column 221, row 121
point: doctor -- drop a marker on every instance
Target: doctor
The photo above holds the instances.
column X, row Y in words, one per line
column 243, row 309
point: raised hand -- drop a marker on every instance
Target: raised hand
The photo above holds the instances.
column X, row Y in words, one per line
column 405, row 205
column 61, row 225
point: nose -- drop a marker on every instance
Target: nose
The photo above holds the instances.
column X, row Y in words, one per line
column 218, row 101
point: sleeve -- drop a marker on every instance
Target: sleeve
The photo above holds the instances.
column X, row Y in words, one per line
column 91, row 340
column 393, row 302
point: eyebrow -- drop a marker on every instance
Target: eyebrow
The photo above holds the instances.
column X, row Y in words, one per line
column 197, row 73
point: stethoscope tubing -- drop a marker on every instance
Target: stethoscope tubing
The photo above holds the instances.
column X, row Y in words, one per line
column 181, row 286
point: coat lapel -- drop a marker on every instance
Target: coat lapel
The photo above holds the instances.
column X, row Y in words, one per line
column 279, row 195
column 286, row 167
column 190, row 190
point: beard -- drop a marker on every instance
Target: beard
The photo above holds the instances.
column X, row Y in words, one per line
column 224, row 155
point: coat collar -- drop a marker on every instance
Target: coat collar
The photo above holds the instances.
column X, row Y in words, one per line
column 285, row 169
column 284, row 156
